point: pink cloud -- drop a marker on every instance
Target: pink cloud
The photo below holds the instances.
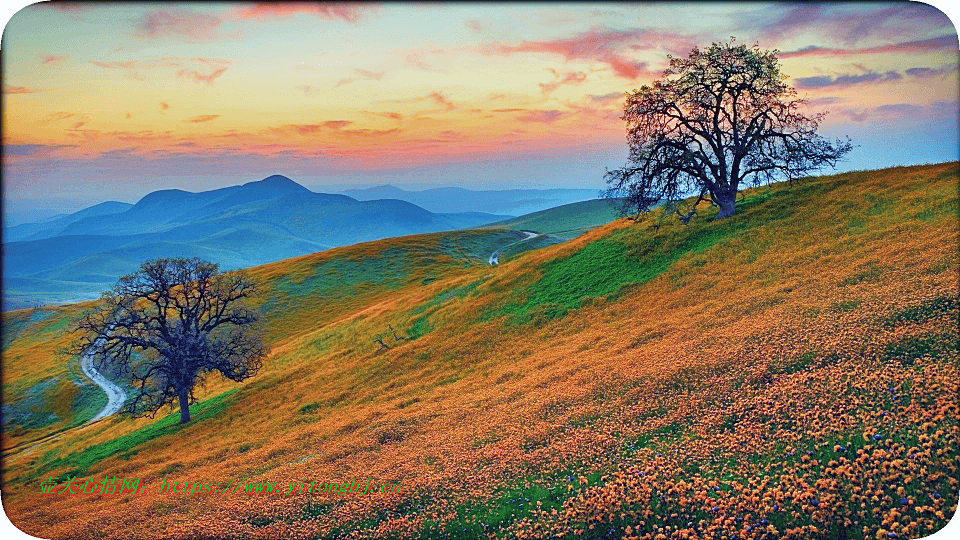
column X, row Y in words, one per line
column 199, row 77
column 114, row 64
column 575, row 77
column 213, row 61
column 599, row 45
column 51, row 59
column 349, row 12
column 443, row 101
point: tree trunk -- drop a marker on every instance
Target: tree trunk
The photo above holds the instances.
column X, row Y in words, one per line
column 727, row 203
column 184, row 406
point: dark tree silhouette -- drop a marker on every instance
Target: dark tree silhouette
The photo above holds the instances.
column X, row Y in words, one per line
column 716, row 120
column 168, row 326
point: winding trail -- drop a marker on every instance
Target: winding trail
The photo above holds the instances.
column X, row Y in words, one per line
column 495, row 256
column 115, row 395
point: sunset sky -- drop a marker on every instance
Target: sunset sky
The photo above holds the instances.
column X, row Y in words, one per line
column 107, row 101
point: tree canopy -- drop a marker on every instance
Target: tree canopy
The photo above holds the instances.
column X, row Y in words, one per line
column 170, row 324
column 717, row 120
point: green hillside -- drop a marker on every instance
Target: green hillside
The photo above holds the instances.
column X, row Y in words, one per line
column 567, row 221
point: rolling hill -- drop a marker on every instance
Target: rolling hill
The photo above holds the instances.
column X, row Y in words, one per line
column 792, row 371
column 566, row 221
column 237, row 226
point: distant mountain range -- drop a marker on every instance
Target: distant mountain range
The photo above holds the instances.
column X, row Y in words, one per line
column 451, row 199
column 73, row 257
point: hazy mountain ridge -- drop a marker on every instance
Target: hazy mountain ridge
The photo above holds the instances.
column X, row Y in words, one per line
column 237, row 226
column 456, row 199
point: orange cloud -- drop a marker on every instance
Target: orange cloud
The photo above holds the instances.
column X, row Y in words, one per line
column 337, row 124
column 203, row 118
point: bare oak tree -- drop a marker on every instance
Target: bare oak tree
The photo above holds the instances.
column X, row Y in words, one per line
column 168, row 326
column 716, row 120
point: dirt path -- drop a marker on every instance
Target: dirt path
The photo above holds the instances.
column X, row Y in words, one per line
column 495, row 256
column 115, row 395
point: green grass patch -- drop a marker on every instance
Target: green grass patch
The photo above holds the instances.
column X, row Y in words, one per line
column 78, row 463
column 934, row 345
column 630, row 257
column 923, row 312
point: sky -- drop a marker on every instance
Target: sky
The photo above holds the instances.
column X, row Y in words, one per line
column 112, row 101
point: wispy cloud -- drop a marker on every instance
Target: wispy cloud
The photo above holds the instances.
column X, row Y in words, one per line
column 441, row 100
column 926, row 72
column 538, row 116
column 361, row 74
column 851, row 26
column 948, row 42
column 349, row 12
column 869, row 76
column 436, row 97
column 605, row 98
column 200, row 77
column 202, row 118
column 51, row 59
column 599, row 45
column 575, row 77
column 846, row 79
column 936, row 109
column 20, row 90
column 115, row 64
column 391, row 115
column 176, row 22
column 57, row 116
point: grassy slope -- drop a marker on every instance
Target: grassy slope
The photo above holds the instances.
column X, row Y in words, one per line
column 776, row 369
column 566, row 221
